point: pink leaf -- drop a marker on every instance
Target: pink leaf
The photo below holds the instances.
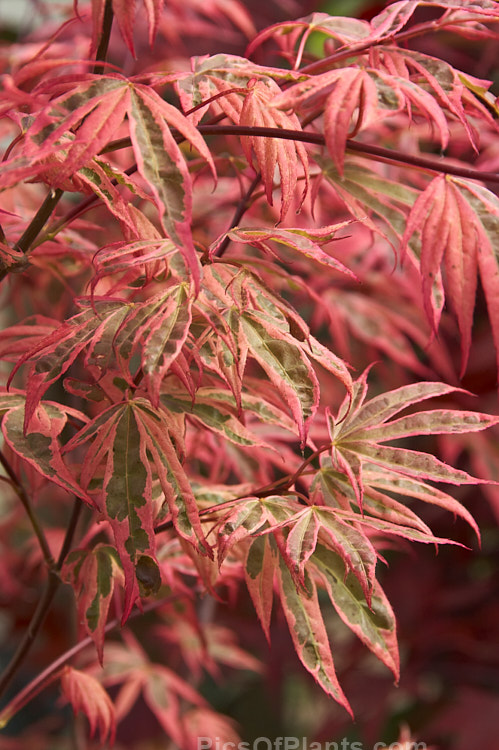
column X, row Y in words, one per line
column 357, row 435
column 272, row 152
column 259, row 569
column 306, row 242
column 163, row 166
column 354, row 89
column 287, row 367
column 86, row 694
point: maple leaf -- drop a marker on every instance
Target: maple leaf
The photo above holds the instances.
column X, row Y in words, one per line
column 309, row 635
column 353, row 35
column 163, row 166
column 164, row 692
column 143, row 259
column 211, row 410
column 200, row 376
column 348, row 32
column 467, row 217
column 56, row 352
column 159, row 326
column 99, row 177
column 131, row 449
column 272, row 152
column 251, row 103
column 370, row 93
column 245, row 519
column 217, row 410
column 286, row 365
column 287, row 33
column 86, row 694
column 361, row 428
column 446, row 83
column 337, row 490
column 124, row 12
column 341, row 91
column 306, row 242
column 380, row 203
column 112, row 330
column 263, row 326
column 278, row 531
column 330, row 541
column 95, row 107
column 40, row 446
column 96, row 175
column 221, row 81
column 304, row 527
column 259, row 573
column 309, row 526
column 92, row 574
column 371, row 619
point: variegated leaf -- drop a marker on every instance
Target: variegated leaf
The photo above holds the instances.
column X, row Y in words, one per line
column 372, row 621
column 357, row 436
column 131, row 449
column 287, row 367
column 161, row 163
column 40, row 445
column 209, row 412
column 309, row 634
column 259, row 572
column 92, row 574
column 53, row 354
column 303, row 241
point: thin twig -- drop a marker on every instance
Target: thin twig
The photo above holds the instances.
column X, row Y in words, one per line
column 36, row 224
column 107, row 23
column 32, row 631
column 51, row 673
column 378, row 152
column 18, row 488
column 70, row 532
column 241, row 208
column 44, row 604
column 43, row 214
column 39, row 220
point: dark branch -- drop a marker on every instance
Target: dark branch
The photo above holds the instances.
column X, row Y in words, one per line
column 51, row 587
column 242, row 207
column 107, row 23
